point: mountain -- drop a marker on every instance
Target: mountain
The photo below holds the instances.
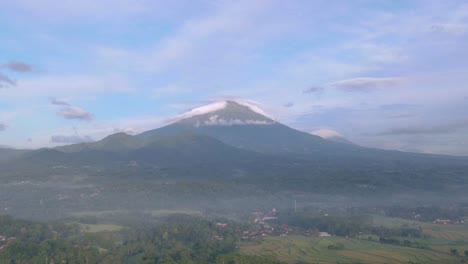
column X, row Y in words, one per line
column 180, row 149
column 9, row 153
column 221, row 154
column 235, row 131
column 243, row 126
column 238, row 132
column 113, row 143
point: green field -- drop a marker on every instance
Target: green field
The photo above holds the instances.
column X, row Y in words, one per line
column 448, row 232
column 117, row 212
column 97, row 213
column 439, row 240
column 170, row 212
column 297, row 249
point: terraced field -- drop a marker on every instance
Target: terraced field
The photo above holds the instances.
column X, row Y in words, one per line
column 447, row 232
column 301, row 249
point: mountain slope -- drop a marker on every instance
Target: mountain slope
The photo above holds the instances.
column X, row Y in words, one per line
column 114, row 143
column 231, row 138
column 179, row 150
column 240, row 126
column 8, row 153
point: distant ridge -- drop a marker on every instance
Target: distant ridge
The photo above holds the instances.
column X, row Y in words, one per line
column 231, row 140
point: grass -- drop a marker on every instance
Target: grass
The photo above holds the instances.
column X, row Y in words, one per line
column 296, row 249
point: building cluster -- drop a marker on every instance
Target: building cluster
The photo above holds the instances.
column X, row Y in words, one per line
column 4, row 241
column 264, row 226
column 447, row 222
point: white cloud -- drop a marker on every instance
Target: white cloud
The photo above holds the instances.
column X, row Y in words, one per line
column 201, row 110
column 327, row 133
column 217, row 121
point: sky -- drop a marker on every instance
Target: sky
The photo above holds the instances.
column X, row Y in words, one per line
column 384, row 74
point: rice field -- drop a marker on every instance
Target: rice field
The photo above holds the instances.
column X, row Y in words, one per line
column 447, row 232
column 301, row 249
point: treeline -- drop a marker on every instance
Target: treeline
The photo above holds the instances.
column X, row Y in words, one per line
column 350, row 226
column 30, row 242
column 404, row 243
column 180, row 239
column 427, row 213
column 336, row 225
column 174, row 239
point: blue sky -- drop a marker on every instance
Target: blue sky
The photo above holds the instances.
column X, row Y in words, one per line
column 386, row 74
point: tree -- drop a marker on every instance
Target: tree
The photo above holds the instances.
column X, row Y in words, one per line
column 454, row 251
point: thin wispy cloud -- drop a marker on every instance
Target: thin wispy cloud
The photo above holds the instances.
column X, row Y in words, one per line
column 6, row 81
column 289, row 104
column 313, row 90
column 17, row 66
column 75, row 113
column 126, row 130
column 456, row 29
column 367, row 84
column 434, row 129
column 70, row 139
column 55, row 101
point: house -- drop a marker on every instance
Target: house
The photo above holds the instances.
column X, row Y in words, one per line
column 221, row 225
column 442, row 221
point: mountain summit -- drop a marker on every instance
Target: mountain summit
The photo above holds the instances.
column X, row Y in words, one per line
column 243, row 125
column 225, row 113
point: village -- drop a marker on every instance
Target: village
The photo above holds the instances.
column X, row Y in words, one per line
column 265, row 224
column 4, row 241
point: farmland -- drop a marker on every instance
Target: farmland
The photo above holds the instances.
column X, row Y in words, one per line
column 301, row 249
